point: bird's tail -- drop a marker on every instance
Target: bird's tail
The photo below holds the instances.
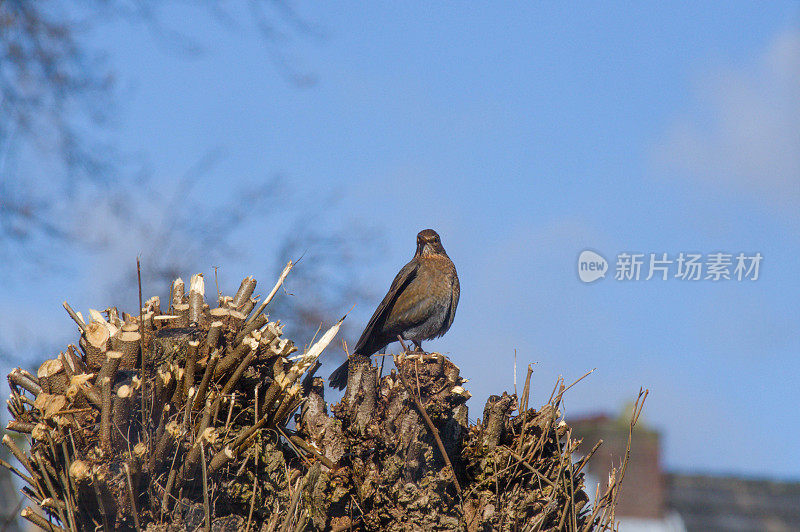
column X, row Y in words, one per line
column 338, row 378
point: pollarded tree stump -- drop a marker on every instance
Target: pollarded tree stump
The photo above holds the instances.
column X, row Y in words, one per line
column 514, row 471
column 390, row 460
column 236, row 433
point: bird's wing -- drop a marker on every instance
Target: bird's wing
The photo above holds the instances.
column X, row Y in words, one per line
column 428, row 296
column 401, row 280
column 451, row 311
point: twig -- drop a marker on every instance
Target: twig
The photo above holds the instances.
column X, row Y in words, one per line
column 242, row 296
column 203, row 389
column 416, row 374
column 559, row 381
column 20, row 426
column 233, row 357
column 637, row 410
column 526, row 390
column 22, row 379
column 75, row 317
column 134, row 509
column 293, row 505
column 610, row 497
column 561, row 392
column 530, row 467
column 492, row 478
column 67, row 480
column 586, row 458
column 170, row 483
column 142, row 380
column 294, row 447
column 231, row 403
column 51, row 488
column 110, row 366
column 272, row 293
column 105, row 415
column 570, row 508
column 300, row 442
column 249, row 327
column 573, row 512
column 243, row 365
column 216, row 283
column 187, row 411
column 253, row 496
column 206, row 504
column 19, row 455
column 189, row 367
column 197, row 292
column 541, row 441
column 39, row 521
column 68, row 505
column 17, row 472
column 515, row 372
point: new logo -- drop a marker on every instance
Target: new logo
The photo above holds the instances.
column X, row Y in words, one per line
column 591, row 266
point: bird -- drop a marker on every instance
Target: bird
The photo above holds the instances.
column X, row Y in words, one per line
column 420, row 305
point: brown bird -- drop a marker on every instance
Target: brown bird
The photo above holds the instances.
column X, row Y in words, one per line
column 420, row 305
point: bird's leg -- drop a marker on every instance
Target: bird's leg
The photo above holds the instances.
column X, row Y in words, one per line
column 418, row 346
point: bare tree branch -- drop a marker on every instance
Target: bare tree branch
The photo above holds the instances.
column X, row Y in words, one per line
column 57, row 99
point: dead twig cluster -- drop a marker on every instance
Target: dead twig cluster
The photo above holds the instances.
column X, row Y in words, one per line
column 522, row 470
column 102, row 454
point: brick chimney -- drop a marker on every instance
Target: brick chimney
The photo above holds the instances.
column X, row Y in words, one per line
column 642, row 494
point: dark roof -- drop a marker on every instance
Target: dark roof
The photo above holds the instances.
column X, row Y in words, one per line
column 734, row 504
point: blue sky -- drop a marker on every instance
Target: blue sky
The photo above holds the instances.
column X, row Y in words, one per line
column 525, row 135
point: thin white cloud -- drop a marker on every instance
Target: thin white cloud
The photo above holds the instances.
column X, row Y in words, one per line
column 744, row 136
